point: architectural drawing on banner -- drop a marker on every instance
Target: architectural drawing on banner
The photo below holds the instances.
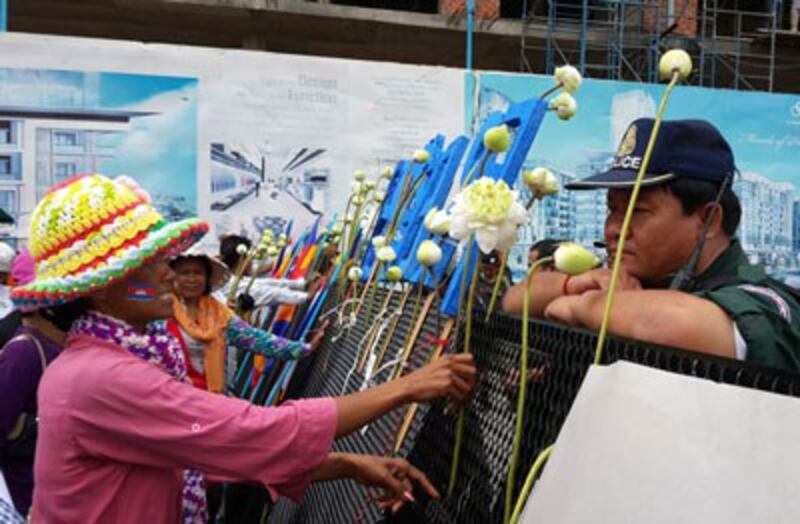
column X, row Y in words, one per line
column 55, row 125
column 254, row 191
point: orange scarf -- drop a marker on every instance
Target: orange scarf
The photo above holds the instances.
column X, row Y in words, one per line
column 209, row 327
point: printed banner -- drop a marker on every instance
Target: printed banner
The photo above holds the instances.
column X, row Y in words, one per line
column 762, row 128
column 246, row 140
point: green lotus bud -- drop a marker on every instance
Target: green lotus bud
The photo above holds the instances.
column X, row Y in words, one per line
column 675, row 60
column 574, row 259
column 359, row 175
column 379, row 241
column 429, row 253
column 569, row 78
column 541, row 182
column 272, row 251
column 497, row 139
column 370, row 185
column 564, row 105
column 421, row 156
column 379, row 197
column 394, row 274
column 387, row 173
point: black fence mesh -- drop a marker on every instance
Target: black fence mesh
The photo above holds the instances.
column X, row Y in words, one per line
column 558, row 360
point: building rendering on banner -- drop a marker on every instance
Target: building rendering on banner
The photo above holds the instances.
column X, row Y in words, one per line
column 41, row 147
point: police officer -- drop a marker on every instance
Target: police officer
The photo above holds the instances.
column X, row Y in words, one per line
column 685, row 280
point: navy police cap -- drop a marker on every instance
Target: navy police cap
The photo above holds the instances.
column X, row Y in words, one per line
column 684, row 149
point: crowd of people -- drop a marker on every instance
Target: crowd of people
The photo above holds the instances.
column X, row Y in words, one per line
column 124, row 338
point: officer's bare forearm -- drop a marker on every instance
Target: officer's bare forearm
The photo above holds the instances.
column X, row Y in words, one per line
column 545, row 286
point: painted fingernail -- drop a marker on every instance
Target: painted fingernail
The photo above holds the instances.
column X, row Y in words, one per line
column 409, row 497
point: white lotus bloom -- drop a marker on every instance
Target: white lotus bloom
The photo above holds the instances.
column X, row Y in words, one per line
column 437, row 222
column 491, row 210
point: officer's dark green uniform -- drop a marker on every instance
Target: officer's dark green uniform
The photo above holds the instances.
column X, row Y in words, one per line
column 767, row 316
column 766, row 312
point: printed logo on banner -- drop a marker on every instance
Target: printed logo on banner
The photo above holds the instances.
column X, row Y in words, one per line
column 795, row 110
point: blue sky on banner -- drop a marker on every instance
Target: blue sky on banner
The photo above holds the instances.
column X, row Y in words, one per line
column 158, row 149
column 763, row 128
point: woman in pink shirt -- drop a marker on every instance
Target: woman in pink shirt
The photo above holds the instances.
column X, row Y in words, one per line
column 117, row 433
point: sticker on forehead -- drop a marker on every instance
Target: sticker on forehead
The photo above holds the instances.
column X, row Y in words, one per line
column 141, row 291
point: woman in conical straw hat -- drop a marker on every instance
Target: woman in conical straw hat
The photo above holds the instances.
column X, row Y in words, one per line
column 116, row 432
column 206, row 328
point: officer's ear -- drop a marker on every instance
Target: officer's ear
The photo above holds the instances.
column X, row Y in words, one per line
column 713, row 212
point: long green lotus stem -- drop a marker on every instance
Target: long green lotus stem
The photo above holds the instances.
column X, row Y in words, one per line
column 474, row 166
column 343, row 239
column 417, row 302
column 551, row 90
column 540, row 461
column 239, row 274
column 601, row 337
column 523, row 388
column 373, row 285
column 497, row 283
column 404, row 199
column 467, row 349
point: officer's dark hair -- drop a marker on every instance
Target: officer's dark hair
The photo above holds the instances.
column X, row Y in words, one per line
column 546, row 246
column 203, row 262
column 694, row 194
column 227, row 249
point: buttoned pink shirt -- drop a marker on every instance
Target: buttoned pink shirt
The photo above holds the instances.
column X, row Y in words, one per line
column 116, row 433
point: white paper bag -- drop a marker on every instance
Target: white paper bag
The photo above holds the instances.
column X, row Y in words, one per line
column 642, row 445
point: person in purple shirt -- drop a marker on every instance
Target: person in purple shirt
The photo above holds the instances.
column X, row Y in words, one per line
column 23, row 360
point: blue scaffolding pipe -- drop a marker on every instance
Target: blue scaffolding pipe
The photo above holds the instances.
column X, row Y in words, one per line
column 3, row 14
column 470, row 27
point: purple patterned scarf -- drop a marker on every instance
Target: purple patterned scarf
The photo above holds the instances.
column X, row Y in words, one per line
column 158, row 347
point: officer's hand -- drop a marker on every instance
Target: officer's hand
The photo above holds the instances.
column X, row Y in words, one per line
column 600, row 279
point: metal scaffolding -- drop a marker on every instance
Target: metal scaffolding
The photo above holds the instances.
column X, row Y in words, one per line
column 623, row 39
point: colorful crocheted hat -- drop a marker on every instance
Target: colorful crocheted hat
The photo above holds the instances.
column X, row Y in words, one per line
column 90, row 231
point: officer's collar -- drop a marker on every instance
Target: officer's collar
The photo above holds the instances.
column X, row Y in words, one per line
column 732, row 262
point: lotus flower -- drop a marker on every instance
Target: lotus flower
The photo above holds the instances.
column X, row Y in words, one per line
column 437, row 222
column 541, row 182
column 497, row 139
column 421, row 156
column 386, row 254
column 429, row 253
column 491, row 210
column 675, row 60
column 569, row 78
column 574, row 259
column 564, row 105
column 394, row 274
column 354, row 274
